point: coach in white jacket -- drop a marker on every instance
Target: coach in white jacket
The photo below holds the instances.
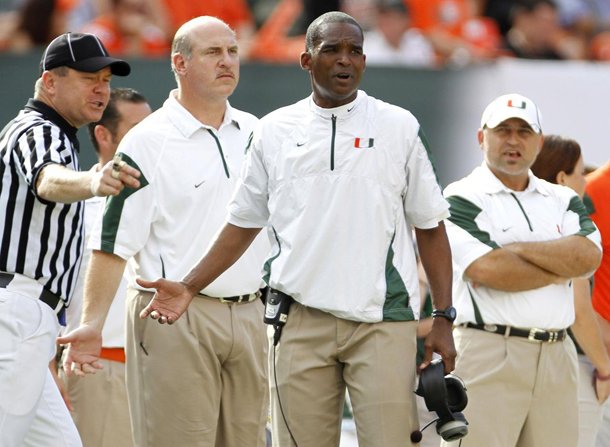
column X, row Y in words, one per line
column 340, row 177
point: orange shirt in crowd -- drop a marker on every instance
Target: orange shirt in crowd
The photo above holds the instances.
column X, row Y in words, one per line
column 598, row 189
column 272, row 42
column 150, row 41
column 455, row 18
column 234, row 12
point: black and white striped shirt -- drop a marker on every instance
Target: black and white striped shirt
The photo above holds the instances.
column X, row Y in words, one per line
column 39, row 239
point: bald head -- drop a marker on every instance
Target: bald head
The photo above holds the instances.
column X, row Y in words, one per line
column 205, row 62
column 183, row 40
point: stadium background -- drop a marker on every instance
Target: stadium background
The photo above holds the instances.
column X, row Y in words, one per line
column 574, row 98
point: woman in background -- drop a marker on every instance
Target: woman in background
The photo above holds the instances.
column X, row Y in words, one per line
column 560, row 161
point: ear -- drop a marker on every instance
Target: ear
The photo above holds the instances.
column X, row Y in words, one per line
column 48, row 80
column 102, row 136
column 480, row 137
column 179, row 63
column 560, row 178
column 306, row 61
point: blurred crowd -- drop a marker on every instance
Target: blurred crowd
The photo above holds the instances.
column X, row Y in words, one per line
column 421, row 33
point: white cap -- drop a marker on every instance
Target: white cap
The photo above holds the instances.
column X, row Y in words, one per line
column 509, row 106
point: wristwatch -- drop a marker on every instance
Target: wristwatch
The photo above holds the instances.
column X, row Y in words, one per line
column 450, row 313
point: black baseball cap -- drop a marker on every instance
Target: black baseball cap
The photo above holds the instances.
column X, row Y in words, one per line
column 82, row 52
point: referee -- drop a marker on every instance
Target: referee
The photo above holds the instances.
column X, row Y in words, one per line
column 41, row 230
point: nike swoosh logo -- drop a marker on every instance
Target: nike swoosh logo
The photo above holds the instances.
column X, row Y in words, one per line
column 350, row 109
column 504, row 230
column 301, row 144
column 199, row 184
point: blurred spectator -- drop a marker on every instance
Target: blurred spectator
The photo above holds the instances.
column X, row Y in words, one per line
column 128, row 29
column 393, row 41
column 34, row 24
column 599, row 46
column 577, row 15
column 457, row 33
column 499, row 11
column 171, row 14
column 536, row 33
column 83, row 11
column 281, row 39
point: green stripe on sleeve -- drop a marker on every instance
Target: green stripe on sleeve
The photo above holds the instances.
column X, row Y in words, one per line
column 586, row 224
column 268, row 262
column 114, row 209
column 463, row 214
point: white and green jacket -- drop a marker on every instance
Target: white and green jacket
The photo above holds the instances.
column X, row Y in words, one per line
column 340, row 189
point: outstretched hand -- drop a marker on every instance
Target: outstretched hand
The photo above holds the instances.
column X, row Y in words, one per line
column 170, row 301
column 84, row 347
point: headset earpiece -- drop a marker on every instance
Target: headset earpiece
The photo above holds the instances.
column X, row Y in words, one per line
column 445, row 395
column 457, row 399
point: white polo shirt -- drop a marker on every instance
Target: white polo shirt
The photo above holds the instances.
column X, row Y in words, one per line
column 338, row 187
column 189, row 171
column 485, row 215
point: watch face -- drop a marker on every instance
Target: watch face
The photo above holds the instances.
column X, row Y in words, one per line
column 452, row 313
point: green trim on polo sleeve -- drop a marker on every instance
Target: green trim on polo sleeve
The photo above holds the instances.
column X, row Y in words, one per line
column 267, row 265
column 249, row 144
column 463, row 214
column 586, row 224
column 114, row 209
column 396, row 306
column 589, row 205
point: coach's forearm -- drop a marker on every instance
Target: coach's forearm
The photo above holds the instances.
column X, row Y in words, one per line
column 568, row 257
column 228, row 247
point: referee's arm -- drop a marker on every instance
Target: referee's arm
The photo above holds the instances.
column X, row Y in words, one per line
column 57, row 183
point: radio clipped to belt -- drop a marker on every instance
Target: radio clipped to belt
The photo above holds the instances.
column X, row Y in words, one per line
column 277, row 305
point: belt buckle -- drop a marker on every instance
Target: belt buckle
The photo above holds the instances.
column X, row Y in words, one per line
column 224, row 300
column 533, row 332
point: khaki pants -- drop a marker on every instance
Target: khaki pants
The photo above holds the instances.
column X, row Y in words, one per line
column 320, row 355
column 520, row 393
column 201, row 381
column 100, row 406
column 589, row 409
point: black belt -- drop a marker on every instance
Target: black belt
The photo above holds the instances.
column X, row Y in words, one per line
column 49, row 298
column 235, row 299
column 533, row 334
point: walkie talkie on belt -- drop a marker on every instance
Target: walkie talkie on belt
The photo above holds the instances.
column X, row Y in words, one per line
column 277, row 305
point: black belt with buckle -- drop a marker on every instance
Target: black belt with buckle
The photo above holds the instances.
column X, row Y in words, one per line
column 533, row 334
column 235, row 299
column 49, row 298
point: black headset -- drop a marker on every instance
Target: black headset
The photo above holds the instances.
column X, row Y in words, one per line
column 445, row 395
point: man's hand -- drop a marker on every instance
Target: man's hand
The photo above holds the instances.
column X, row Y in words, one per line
column 60, row 385
column 602, row 389
column 84, row 347
column 110, row 179
column 170, row 301
column 440, row 340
